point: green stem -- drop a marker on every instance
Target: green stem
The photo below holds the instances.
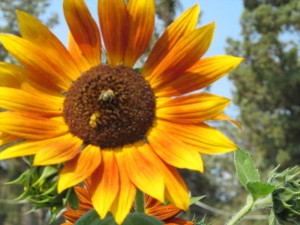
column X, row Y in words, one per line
column 139, row 202
column 243, row 211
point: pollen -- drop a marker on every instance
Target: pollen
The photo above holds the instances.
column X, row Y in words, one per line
column 110, row 106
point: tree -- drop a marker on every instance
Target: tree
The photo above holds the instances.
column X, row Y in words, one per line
column 8, row 17
column 268, row 82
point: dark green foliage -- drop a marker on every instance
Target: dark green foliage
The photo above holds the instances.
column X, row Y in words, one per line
column 268, row 82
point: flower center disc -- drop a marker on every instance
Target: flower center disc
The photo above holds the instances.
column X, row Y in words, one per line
column 109, row 106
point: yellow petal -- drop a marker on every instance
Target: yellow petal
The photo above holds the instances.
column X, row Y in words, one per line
column 148, row 178
column 206, row 139
column 35, row 59
column 19, row 100
column 123, row 203
column 58, row 152
column 176, row 190
column 174, row 151
column 179, row 28
column 113, row 18
column 141, row 23
column 105, row 183
column 225, row 117
column 34, row 31
column 31, row 126
column 7, row 138
column 185, row 53
column 79, row 168
column 84, row 30
column 193, row 108
column 26, row 148
column 201, row 74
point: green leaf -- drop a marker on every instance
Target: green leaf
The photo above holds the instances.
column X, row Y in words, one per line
column 196, row 199
column 92, row 218
column 245, row 168
column 141, row 219
column 272, row 219
column 258, row 189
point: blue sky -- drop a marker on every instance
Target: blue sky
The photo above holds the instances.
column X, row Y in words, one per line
column 226, row 14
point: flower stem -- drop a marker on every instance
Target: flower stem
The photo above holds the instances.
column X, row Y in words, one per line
column 243, row 211
column 139, row 202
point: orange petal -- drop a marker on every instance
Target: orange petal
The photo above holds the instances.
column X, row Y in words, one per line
column 201, row 74
column 84, row 30
column 193, row 108
column 174, row 151
column 7, row 138
column 16, row 77
column 105, row 183
column 35, row 59
column 180, row 27
column 113, row 18
column 178, row 221
column 19, row 100
column 34, row 31
column 123, row 203
column 225, row 117
column 83, row 195
column 59, row 151
column 163, row 212
column 176, row 190
column 77, row 54
column 185, row 53
column 31, row 126
column 206, row 139
column 79, row 168
column 148, row 178
column 141, row 23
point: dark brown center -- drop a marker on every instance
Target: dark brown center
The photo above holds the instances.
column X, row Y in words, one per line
column 109, row 106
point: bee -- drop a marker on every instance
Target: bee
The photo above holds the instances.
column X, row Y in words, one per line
column 106, row 95
column 93, row 119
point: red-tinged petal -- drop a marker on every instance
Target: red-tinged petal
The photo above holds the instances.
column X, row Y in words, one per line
column 206, row 139
column 34, row 31
column 105, row 183
column 163, row 212
column 123, row 203
column 141, row 24
column 113, row 16
column 151, row 202
column 31, row 126
column 193, row 108
column 59, row 151
column 178, row 221
column 35, row 59
column 84, row 30
column 83, row 195
column 18, row 100
column 79, row 168
column 175, row 152
column 148, row 178
column 225, row 117
column 201, row 74
column 185, row 53
column 179, row 28
column 78, row 56
column 176, row 190
column 26, row 148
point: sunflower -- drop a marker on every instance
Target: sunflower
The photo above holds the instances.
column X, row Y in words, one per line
column 123, row 128
column 164, row 212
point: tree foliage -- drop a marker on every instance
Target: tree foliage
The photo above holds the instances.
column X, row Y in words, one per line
column 268, row 82
column 8, row 17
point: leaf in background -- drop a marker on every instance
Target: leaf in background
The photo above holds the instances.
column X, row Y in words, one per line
column 258, row 189
column 92, row 218
column 245, row 168
column 196, row 199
